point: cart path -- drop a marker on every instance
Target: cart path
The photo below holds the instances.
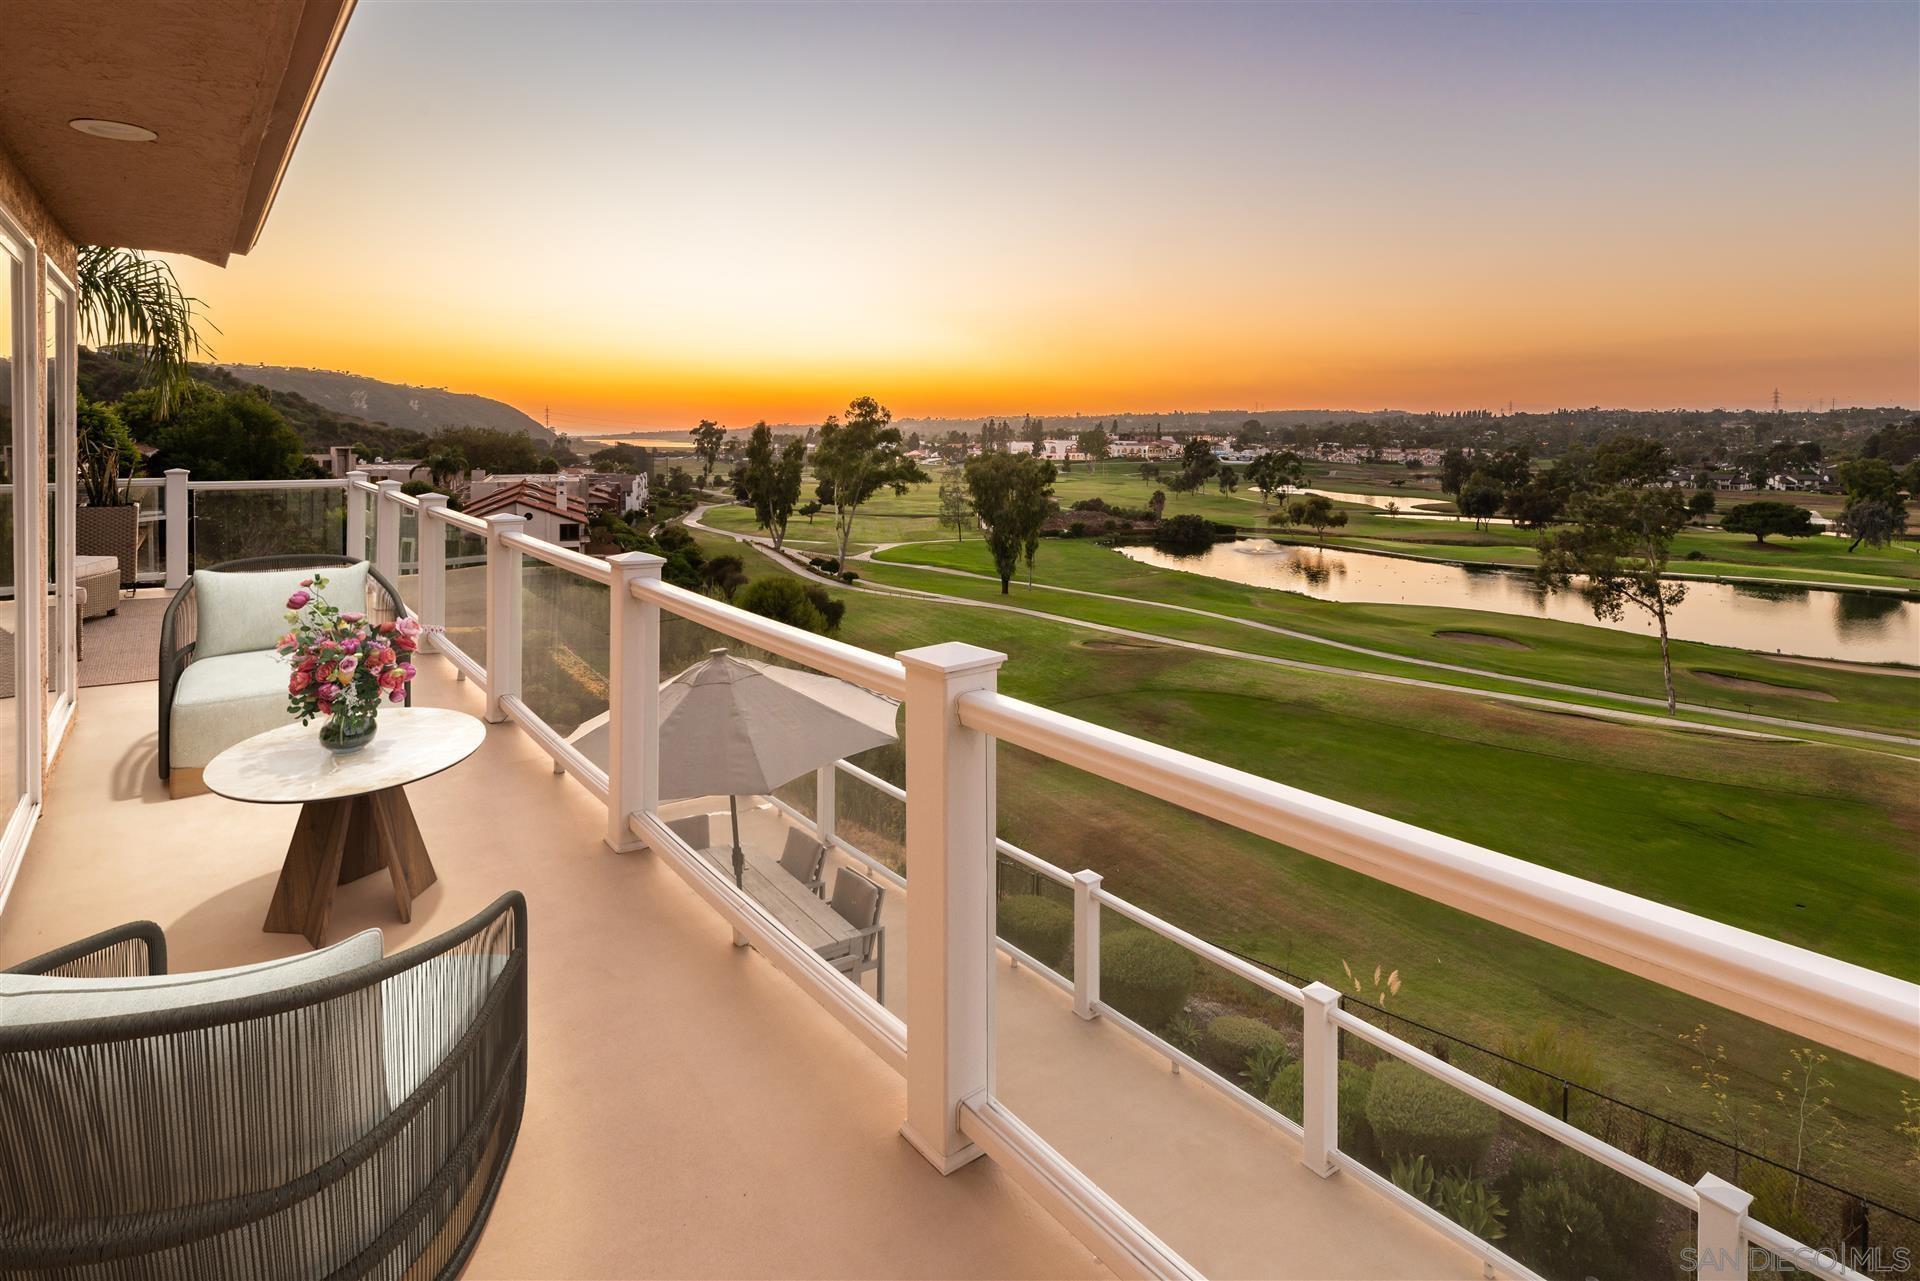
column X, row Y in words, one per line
column 765, row 546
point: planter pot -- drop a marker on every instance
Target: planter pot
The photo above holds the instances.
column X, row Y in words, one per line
column 109, row 531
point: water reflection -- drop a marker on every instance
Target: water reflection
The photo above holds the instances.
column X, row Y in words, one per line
column 1808, row 622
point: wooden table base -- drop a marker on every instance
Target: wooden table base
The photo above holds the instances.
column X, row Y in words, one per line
column 343, row 840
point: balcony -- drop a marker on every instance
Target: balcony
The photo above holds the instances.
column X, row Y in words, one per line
column 707, row 1097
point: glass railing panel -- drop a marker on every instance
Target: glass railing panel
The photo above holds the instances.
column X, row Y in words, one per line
column 1680, row 1083
column 1034, row 913
column 466, row 605
column 149, row 495
column 409, row 567
column 563, row 650
column 848, row 904
column 236, row 524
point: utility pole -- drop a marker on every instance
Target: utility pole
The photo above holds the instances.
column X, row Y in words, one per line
column 1776, row 400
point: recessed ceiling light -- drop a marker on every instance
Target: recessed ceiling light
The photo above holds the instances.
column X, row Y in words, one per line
column 113, row 130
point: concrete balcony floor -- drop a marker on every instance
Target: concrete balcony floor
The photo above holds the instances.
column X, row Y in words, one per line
column 691, row 1112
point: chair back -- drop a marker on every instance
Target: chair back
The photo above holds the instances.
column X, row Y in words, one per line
column 857, row 900
column 692, row 829
column 803, row 857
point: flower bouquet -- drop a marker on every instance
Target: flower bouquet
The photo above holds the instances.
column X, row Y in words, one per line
column 343, row 665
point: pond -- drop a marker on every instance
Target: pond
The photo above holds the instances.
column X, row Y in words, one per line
column 1806, row 622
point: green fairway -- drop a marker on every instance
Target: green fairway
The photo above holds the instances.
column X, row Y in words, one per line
column 1804, row 842
column 1555, row 651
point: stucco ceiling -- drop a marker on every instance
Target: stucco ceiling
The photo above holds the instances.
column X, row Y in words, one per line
column 225, row 84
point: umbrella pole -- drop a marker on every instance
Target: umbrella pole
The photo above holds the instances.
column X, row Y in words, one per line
column 739, row 859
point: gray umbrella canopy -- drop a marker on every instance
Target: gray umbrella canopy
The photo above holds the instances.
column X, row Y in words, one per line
column 740, row 728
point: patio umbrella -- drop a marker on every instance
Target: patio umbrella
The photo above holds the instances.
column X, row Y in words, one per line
column 740, row 727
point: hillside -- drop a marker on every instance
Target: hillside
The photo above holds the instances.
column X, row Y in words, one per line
column 421, row 409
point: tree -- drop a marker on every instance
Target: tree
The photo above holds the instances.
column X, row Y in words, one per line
column 1229, row 480
column 1455, row 467
column 1875, row 513
column 1480, row 497
column 1034, row 432
column 442, row 466
column 1392, row 508
column 127, row 298
column 707, row 439
column 956, row 506
column 1197, row 462
column 228, row 437
column 1617, row 547
column 1629, row 460
column 723, row 575
column 1012, row 495
column 1318, row 513
column 621, row 456
column 768, row 480
column 1701, row 504
column 499, row 452
column 1535, row 503
column 1184, row 535
column 1094, row 444
column 1788, row 520
column 857, row 458
column 1276, row 473
column 106, row 451
column 809, row 510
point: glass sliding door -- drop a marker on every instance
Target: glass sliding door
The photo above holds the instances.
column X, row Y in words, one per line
column 63, row 617
column 16, row 409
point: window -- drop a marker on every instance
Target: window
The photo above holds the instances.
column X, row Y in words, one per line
column 569, row 531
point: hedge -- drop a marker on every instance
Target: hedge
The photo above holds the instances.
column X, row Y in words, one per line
column 1230, row 1040
column 1144, row 976
column 1413, row 1114
column 1038, row 926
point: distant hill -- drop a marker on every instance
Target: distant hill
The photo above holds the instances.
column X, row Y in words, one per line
column 421, row 409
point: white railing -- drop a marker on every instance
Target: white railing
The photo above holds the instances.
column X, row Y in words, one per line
column 953, row 716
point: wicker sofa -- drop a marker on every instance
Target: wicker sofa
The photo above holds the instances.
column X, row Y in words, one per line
column 220, row 679
column 325, row 1115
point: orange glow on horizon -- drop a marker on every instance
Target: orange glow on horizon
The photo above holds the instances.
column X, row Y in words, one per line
column 1448, row 209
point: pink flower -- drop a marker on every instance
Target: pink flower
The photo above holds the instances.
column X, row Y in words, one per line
column 347, row 665
column 306, row 582
column 407, row 669
column 383, row 656
column 298, row 682
column 308, row 663
column 398, row 696
column 299, row 600
column 329, row 692
column 350, row 644
column 392, row 678
column 408, row 626
column 351, row 617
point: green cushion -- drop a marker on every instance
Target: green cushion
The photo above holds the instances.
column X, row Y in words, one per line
column 240, row 612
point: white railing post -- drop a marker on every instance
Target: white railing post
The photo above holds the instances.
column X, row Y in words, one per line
column 950, row 924
column 1320, row 1078
column 177, row 514
column 825, row 819
column 633, row 698
column 503, row 612
column 1722, row 1246
column 432, row 539
column 1086, row 943
column 386, row 530
column 356, row 516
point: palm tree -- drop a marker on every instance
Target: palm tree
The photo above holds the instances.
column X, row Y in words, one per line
column 129, row 299
column 442, row 465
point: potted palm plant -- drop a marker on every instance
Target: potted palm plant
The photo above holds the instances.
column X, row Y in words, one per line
column 107, row 522
column 126, row 299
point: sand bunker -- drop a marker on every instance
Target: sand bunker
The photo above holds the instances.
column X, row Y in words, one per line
column 1763, row 687
column 1484, row 638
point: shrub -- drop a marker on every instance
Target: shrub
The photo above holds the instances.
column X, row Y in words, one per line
column 1263, row 1065
column 1078, row 529
column 1231, row 1039
column 1038, row 926
column 1549, row 1052
column 1185, row 534
column 1090, row 505
column 831, row 608
column 784, row 599
column 848, row 576
column 1287, row 1097
column 1557, row 1232
column 1413, row 1114
column 1145, row 977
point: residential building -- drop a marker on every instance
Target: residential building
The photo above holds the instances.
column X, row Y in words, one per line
column 554, row 509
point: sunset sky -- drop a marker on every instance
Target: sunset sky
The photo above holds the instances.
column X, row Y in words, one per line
column 644, row 215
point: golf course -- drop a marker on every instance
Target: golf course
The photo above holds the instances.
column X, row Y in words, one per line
column 1784, row 799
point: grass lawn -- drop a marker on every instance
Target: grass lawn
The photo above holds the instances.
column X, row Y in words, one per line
column 1589, row 656
column 1805, row 842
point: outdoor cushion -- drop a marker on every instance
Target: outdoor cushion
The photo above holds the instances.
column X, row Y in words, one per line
column 35, row 998
column 220, row 701
column 238, row 612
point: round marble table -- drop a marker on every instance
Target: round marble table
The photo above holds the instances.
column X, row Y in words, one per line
column 354, row 816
